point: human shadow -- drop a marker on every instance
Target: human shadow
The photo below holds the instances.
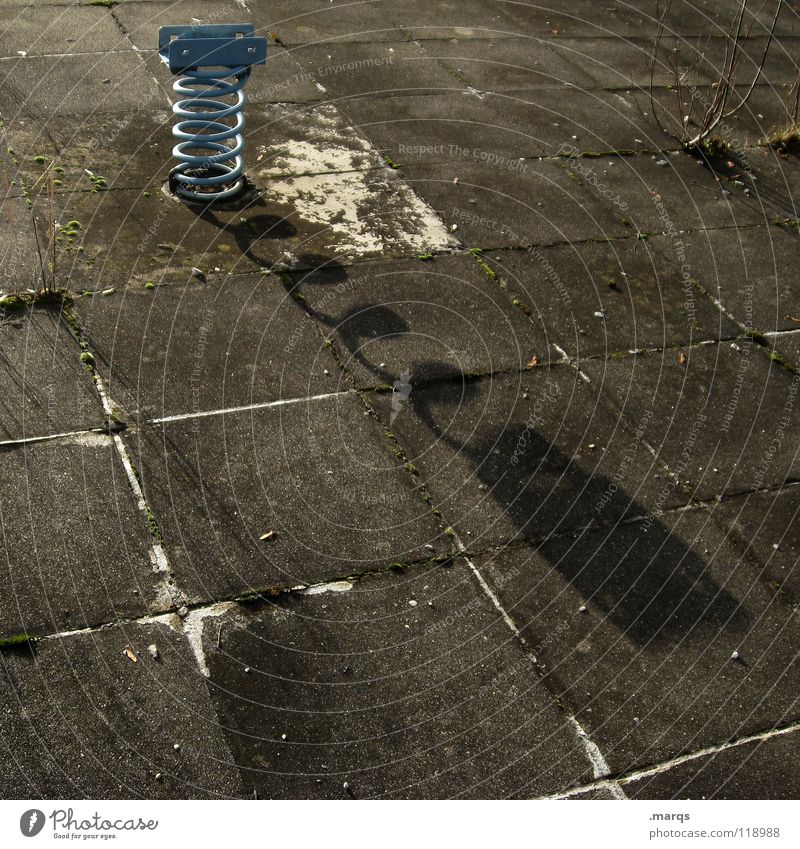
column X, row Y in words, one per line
column 645, row 579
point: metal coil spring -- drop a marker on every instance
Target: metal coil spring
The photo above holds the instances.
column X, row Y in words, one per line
column 202, row 129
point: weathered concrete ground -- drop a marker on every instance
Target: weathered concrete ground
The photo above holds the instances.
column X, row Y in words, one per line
column 461, row 460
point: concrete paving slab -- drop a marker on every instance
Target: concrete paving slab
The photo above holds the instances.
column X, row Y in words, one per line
column 654, row 196
column 196, row 347
column 508, row 64
column 721, row 409
column 524, row 456
column 436, row 128
column 374, row 692
column 301, row 493
column 374, row 70
column 80, row 719
column 769, row 182
column 18, row 252
column 654, row 613
column 750, row 271
column 129, row 150
column 535, row 203
column 764, row 524
column 600, row 298
column 432, row 129
column 60, row 30
column 468, row 20
column 428, row 319
column 311, row 22
column 76, row 550
column 35, row 86
column 761, row 770
column 45, row 387
column 610, row 62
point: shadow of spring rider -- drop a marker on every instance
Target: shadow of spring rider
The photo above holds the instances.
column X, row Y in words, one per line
column 215, row 62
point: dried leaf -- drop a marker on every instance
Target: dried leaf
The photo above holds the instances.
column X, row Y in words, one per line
column 533, row 361
column 794, row 318
column 267, row 535
column 130, row 653
column 682, row 358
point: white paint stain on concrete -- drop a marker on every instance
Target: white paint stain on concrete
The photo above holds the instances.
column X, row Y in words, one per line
column 334, row 178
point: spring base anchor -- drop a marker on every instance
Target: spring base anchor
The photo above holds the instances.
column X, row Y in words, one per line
column 216, row 62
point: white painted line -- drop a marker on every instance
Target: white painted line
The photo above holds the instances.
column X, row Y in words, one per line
column 600, row 768
column 194, row 625
column 82, row 437
column 665, row 766
column 264, row 405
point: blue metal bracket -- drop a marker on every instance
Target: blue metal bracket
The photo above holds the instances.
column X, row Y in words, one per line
column 210, row 150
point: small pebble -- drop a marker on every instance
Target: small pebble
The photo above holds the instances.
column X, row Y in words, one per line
column 582, row 609
column 153, row 651
column 283, row 736
column 429, row 547
column 325, row 371
column 736, row 656
column 158, row 776
column 177, row 747
column 662, row 163
column 247, row 670
column 412, row 602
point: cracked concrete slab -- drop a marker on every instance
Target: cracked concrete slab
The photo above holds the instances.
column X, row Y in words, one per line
column 605, row 298
column 291, row 494
column 374, row 70
column 655, row 612
column 508, row 64
column 36, row 87
column 527, row 455
column 92, row 722
column 406, row 686
column 709, row 428
column 729, row 774
column 196, row 347
column 46, row 389
column 76, row 552
column 528, row 203
column 750, row 271
column 441, row 317
column 59, row 31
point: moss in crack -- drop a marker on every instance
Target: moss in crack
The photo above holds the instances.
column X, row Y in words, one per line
column 780, row 360
column 152, row 525
column 15, row 641
column 601, row 154
column 521, row 305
